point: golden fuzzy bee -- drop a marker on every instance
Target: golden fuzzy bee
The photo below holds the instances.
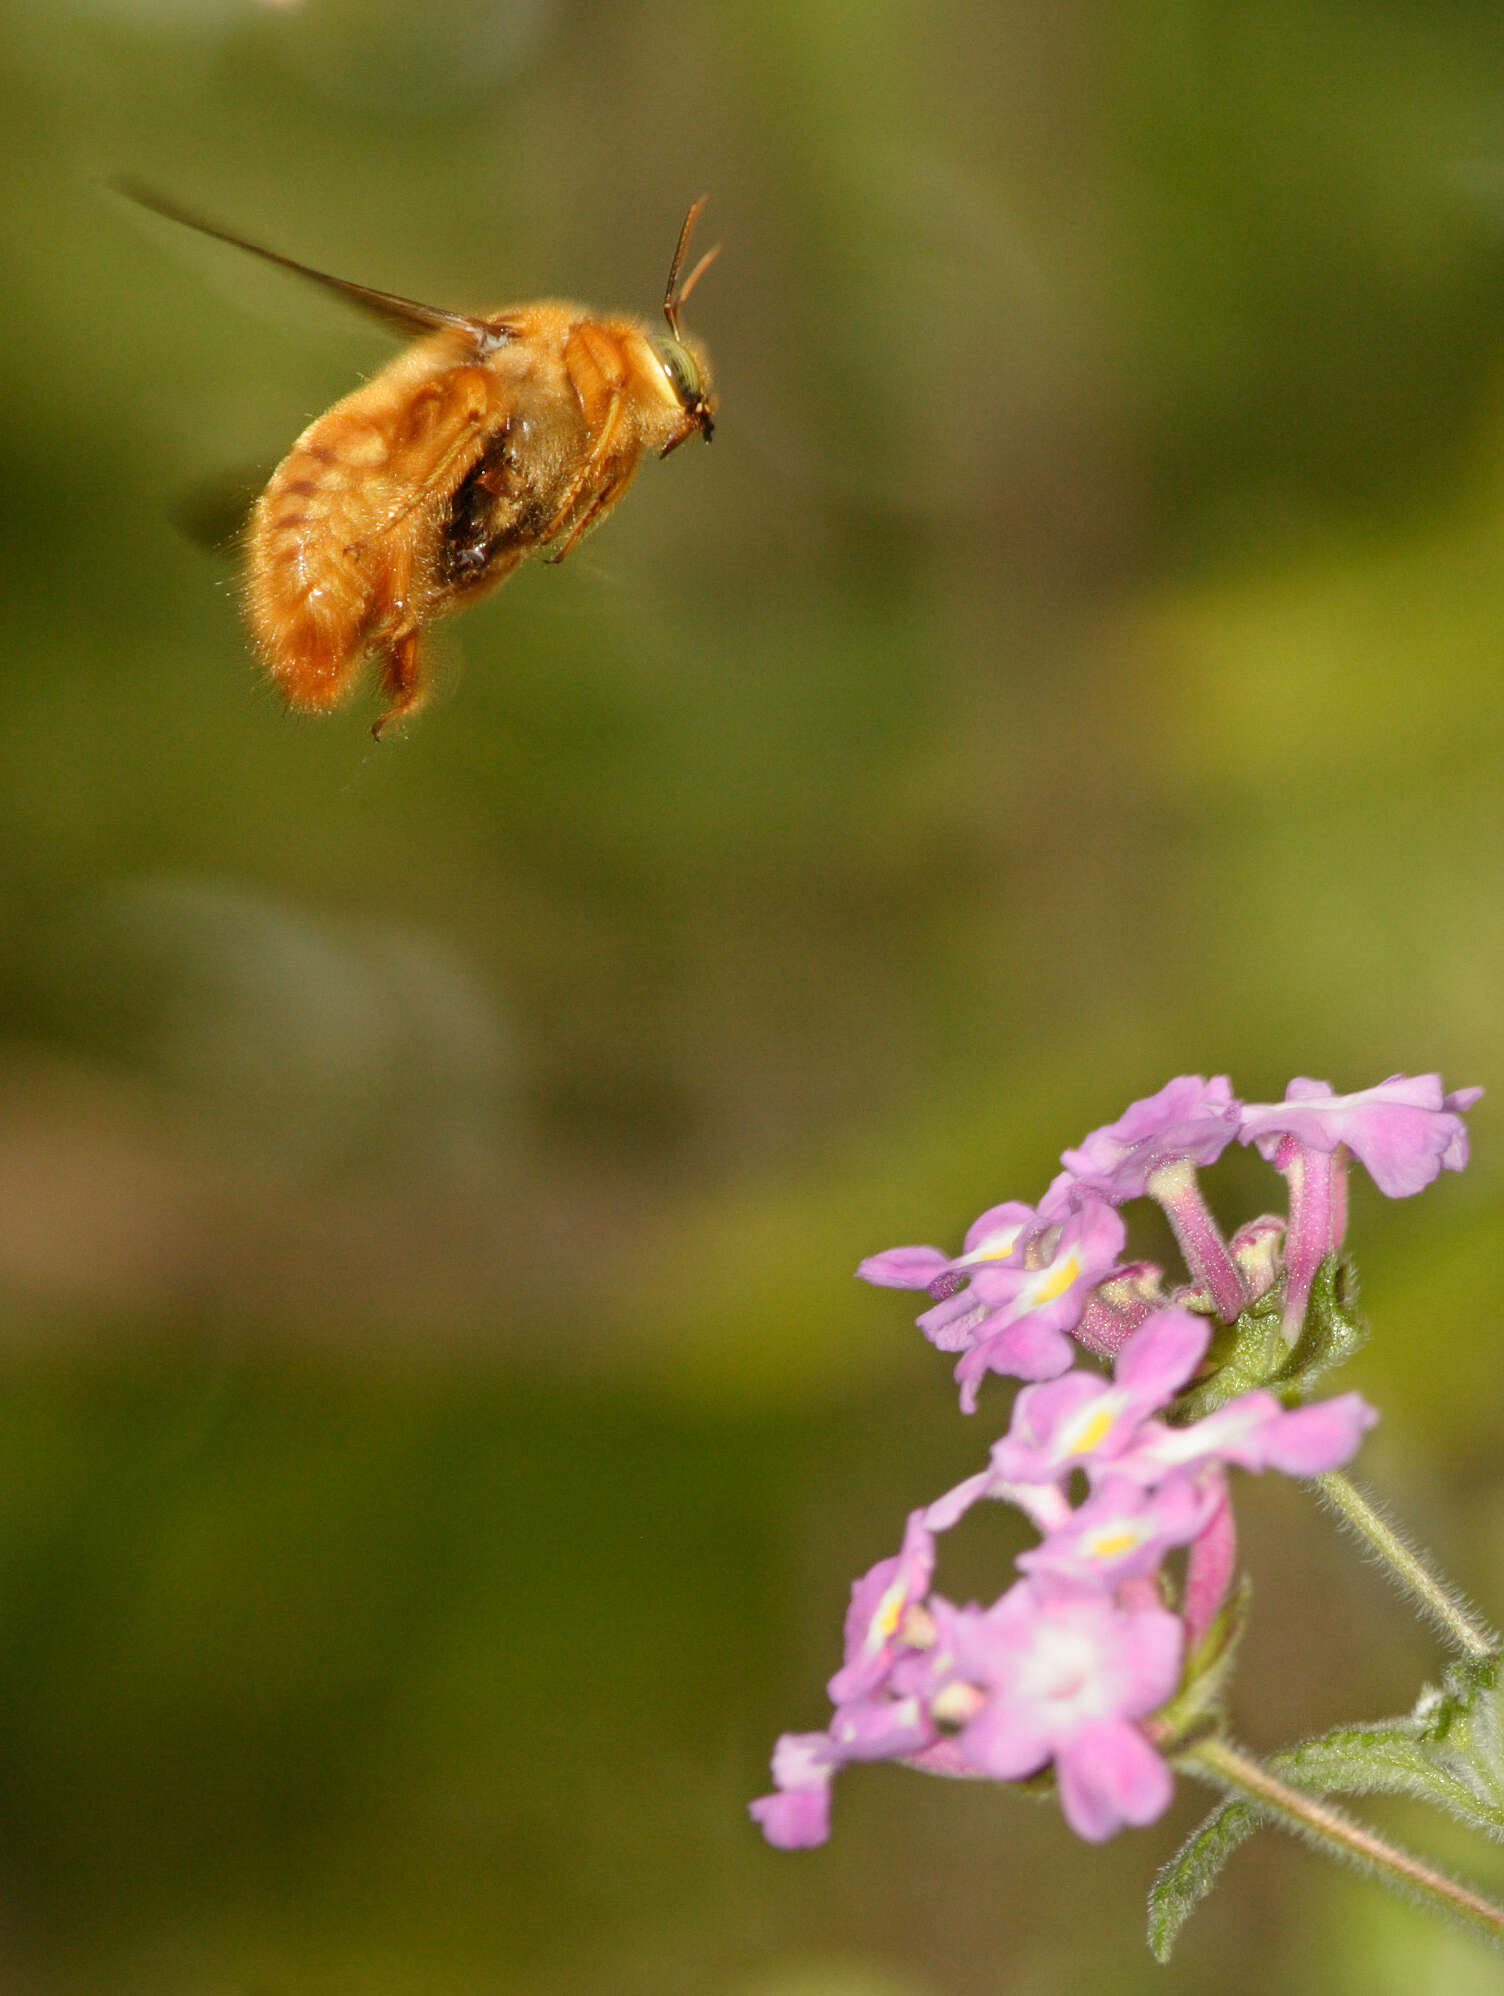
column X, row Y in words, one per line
column 491, row 437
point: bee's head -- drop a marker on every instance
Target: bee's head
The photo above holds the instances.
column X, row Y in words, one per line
column 686, row 367
column 688, row 375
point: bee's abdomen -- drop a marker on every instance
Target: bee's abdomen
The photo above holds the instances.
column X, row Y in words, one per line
column 313, row 590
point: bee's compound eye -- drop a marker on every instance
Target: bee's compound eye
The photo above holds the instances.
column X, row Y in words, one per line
column 684, row 376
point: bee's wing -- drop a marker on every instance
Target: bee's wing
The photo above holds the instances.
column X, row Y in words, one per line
column 405, row 315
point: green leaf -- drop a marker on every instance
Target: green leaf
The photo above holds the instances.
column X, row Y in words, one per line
column 1184, row 1882
column 1385, row 1757
column 1462, row 1725
column 1427, row 1757
column 1333, row 1329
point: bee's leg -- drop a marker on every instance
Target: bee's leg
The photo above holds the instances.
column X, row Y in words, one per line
column 395, row 641
column 590, row 474
column 597, row 368
column 404, row 678
column 603, row 501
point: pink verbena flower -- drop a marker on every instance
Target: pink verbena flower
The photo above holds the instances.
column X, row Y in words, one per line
column 875, row 1717
column 875, row 1618
column 1189, row 1120
column 1049, row 1673
column 999, row 1235
column 1082, row 1419
column 1065, row 1674
column 1082, row 1422
column 1018, row 1287
column 1404, row 1132
column 797, row 1815
column 1064, row 1669
column 974, row 1292
column 1255, row 1432
column 1154, row 1149
column 1123, row 1529
column 1029, row 1310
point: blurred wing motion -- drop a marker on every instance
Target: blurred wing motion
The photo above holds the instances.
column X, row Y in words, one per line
column 401, row 315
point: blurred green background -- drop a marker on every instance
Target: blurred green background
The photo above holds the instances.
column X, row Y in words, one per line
column 440, row 1426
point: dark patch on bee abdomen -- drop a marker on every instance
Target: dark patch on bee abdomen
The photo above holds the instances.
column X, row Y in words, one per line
column 468, row 526
column 487, row 517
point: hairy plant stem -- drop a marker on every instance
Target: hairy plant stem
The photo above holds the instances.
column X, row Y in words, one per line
column 1413, row 1570
column 1222, row 1765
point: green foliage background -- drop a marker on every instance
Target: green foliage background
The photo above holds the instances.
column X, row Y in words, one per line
column 439, row 1423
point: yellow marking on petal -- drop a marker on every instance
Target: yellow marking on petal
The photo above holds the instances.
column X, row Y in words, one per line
column 993, row 1247
column 889, row 1609
column 1092, row 1432
column 1055, row 1281
column 1007, row 1241
column 1109, row 1544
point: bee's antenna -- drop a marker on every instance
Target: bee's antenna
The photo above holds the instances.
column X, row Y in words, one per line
column 673, row 299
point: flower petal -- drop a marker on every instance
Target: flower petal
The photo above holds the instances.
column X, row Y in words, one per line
column 1161, row 1356
column 794, row 1818
column 1109, row 1776
column 904, row 1267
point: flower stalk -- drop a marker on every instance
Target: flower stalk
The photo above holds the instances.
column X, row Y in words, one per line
column 1174, row 1186
column 1411, row 1570
column 1222, row 1765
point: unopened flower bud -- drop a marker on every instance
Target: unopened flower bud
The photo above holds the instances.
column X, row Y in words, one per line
column 1115, row 1308
column 1257, row 1248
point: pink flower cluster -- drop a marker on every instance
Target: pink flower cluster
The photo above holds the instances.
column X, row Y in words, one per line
column 1028, row 1278
column 1068, row 1667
